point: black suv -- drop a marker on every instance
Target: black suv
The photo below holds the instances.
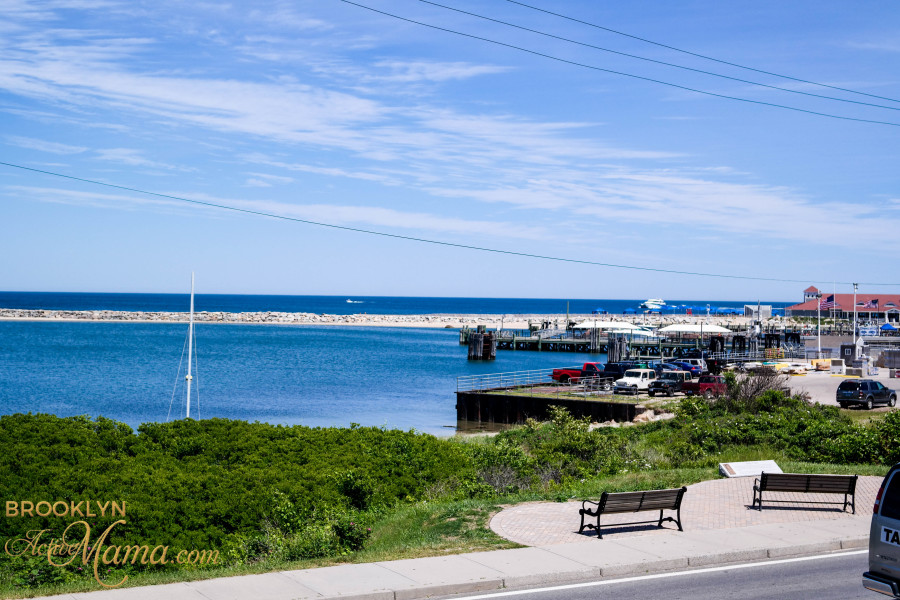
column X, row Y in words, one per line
column 867, row 392
column 668, row 383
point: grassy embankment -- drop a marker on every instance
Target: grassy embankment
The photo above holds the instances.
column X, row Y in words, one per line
column 272, row 498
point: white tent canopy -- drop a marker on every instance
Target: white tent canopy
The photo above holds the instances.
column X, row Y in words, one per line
column 694, row 328
column 621, row 325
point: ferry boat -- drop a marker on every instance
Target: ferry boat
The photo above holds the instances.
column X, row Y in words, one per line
column 653, row 304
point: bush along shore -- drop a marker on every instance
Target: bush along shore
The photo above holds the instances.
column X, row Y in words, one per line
column 265, row 497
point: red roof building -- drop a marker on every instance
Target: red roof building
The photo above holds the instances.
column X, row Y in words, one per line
column 873, row 306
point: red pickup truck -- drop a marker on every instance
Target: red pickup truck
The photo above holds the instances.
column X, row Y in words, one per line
column 574, row 374
column 706, row 385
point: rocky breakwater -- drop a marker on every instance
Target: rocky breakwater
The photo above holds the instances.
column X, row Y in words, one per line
column 299, row 318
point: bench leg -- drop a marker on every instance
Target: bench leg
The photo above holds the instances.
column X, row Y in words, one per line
column 660, row 518
column 599, row 534
column 851, row 502
column 755, row 499
column 581, row 528
column 678, row 518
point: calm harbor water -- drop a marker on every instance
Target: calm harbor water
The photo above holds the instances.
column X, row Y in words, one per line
column 316, row 376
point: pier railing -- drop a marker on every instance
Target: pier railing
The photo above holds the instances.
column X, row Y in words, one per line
column 493, row 381
column 762, row 354
column 522, row 380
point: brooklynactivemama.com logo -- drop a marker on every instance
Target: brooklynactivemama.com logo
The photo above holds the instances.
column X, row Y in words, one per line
column 76, row 539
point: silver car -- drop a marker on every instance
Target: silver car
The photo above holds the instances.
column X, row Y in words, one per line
column 884, row 538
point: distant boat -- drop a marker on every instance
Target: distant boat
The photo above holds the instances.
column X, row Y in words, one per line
column 653, row 304
column 349, row 301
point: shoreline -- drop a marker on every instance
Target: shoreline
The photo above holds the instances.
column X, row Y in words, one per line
column 436, row 321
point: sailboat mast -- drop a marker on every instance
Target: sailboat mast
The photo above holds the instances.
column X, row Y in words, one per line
column 188, row 377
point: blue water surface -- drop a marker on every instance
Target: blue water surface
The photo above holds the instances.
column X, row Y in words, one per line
column 282, row 374
column 332, row 305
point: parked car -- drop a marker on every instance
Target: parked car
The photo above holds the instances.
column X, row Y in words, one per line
column 616, row 370
column 883, row 575
column 866, row 392
column 635, row 380
column 661, row 368
column 705, row 385
column 693, row 369
column 697, row 362
column 668, row 383
column 575, row 374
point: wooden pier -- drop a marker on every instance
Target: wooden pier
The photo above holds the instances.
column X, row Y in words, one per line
column 595, row 342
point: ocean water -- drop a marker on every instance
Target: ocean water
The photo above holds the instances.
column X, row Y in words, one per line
column 333, row 305
column 316, row 376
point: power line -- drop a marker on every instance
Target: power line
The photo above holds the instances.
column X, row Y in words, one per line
column 703, row 56
column 595, row 68
column 426, row 240
column 659, row 62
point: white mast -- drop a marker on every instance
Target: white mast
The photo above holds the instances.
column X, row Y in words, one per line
column 190, row 348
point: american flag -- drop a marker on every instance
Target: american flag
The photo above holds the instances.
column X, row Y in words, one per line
column 827, row 303
column 871, row 304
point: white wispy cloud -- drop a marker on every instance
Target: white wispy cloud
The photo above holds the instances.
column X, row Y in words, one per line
column 669, row 202
column 883, row 45
column 134, row 158
column 44, row 145
column 414, row 71
column 266, row 180
column 357, row 216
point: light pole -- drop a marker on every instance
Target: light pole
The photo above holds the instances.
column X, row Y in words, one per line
column 855, row 286
column 819, row 325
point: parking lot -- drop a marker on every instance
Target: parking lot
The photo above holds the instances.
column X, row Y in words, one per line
column 821, row 386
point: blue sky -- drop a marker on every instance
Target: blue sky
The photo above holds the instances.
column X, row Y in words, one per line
column 328, row 112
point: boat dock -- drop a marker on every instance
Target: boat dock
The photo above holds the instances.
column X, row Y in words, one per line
column 595, row 341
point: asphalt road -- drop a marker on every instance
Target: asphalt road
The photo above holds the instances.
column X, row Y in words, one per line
column 829, row 577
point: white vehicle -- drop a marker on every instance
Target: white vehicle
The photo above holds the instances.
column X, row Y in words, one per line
column 635, row 380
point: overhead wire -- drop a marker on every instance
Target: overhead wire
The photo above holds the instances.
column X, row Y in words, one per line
column 698, row 55
column 431, row 241
column 653, row 60
column 624, row 74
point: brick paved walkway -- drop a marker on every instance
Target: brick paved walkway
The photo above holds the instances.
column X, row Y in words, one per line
column 716, row 504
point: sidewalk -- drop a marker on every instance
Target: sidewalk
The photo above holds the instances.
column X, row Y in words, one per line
column 720, row 528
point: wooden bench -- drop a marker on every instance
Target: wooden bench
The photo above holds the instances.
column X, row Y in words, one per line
column 626, row 502
column 807, row 484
